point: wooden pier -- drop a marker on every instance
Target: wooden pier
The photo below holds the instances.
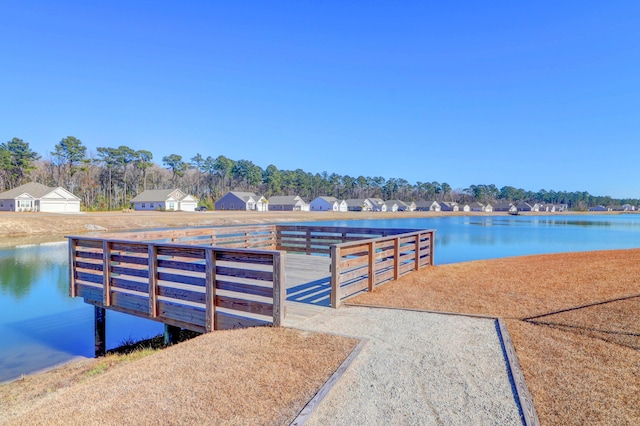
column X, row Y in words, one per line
column 206, row 279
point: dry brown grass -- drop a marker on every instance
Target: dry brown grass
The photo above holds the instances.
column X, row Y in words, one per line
column 251, row 376
column 572, row 317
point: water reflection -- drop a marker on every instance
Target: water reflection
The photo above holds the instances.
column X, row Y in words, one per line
column 40, row 324
column 23, row 267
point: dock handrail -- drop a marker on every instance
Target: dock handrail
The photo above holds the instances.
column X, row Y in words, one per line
column 198, row 288
column 204, row 279
column 363, row 265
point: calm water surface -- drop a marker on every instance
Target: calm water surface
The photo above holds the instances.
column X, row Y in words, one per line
column 464, row 238
column 40, row 326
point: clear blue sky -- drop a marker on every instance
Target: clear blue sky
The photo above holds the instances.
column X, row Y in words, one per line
column 537, row 95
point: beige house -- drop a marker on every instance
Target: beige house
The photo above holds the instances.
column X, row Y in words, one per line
column 164, row 199
column 36, row 197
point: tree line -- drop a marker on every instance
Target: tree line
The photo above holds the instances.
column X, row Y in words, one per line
column 109, row 178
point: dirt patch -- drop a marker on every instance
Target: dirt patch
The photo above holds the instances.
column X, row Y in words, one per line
column 572, row 317
column 251, row 376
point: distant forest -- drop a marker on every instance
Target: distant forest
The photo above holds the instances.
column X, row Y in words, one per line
column 108, row 179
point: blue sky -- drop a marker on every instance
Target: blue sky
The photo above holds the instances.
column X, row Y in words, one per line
column 537, row 95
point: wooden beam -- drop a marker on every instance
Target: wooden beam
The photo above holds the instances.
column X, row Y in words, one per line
column 171, row 334
column 432, row 236
column 100, row 321
column 372, row 271
column 279, row 288
column 210, row 289
column 106, row 273
column 72, row 267
column 335, row 276
column 152, row 262
column 417, row 256
column 396, row 258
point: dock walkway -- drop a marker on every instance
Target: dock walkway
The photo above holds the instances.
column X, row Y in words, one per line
column 308, row 282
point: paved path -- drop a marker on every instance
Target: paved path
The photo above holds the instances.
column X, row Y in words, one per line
column 417, row 368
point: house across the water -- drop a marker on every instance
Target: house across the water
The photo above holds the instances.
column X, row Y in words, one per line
column 164, row 199
column 36, row 197
column 235, row 200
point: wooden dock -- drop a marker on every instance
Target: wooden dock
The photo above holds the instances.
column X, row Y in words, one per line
column 206, row 279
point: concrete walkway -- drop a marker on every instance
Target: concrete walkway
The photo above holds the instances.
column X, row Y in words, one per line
column 416, row 368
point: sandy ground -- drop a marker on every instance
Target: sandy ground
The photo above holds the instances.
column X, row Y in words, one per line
column 417, row 368
column 239, row 377
column 572, row 318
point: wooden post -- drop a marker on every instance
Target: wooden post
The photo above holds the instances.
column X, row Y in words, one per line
column 100, row 321
column 279, row 288
column 278, row 238
column 372, row 268
column 396, row 258
column 106, row 273
column 171, row 334
column 308, row 243
column 72, row 267
column 152, row 263
column 432, row 241
column 417, row 254
column 335, row 276
column 210, row 289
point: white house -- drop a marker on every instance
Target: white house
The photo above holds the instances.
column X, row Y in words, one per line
column 526, row 207
column 358, row 205
column 505, row 207
column 449, row 206
column 328, row 204
column 292, row 203
column 377, row 204
column 36, row 197
column 164, row 199
column 428, row 206
column 235, row 200
column 392, row 206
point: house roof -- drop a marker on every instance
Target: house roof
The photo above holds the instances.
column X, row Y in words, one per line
column 355, row 202
column 153, row 195
column 285, row 200
column 245, row 196
column 378, row 201
column 398, row 202
column 328, row 199
column 34, row 189
column 425, row 203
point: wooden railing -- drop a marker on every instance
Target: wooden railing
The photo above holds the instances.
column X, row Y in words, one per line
column 206, row 279
column 363, row 265
column 256, row 236
column 193, row 287
column 319, row 239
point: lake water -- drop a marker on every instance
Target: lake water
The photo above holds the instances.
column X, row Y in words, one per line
column 40, row 326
